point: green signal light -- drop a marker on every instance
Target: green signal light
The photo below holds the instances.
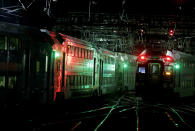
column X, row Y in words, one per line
column 177, row 66
column 125, row 65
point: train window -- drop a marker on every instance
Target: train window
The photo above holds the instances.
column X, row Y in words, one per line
column 89, row 52
column 142, row 70
column 73, row 51
column 75, row 80
column 155, row 68
column 72, row 80
column 69, row 50
column 79, row 81
column 46, row 63
column 80, row 53
column 88, row 80
column 86, row 54
column 91, row 56
column 68, row 80
column 168, row 68
column 2, row 43
column 83, row 53
column 83, row 80
column 12, row 82
column 37, row 66
column 2, row 81
column 13, row 44
column 76, row 52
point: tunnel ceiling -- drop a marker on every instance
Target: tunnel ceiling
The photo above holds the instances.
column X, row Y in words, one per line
column 107, row 21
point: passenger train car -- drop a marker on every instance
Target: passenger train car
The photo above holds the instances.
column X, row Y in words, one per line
column 83, row 70
column 25, row 54
column 161, row 71
column 184, row 74
column 45, row 67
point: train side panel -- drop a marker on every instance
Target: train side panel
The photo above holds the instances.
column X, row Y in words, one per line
column 185, row 75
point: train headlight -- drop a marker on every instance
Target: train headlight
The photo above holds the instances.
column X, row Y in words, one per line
column 168, row 73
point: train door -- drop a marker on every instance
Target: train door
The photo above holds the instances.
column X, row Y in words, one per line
column 57, row 74
column 154, row 73
column 60, row 94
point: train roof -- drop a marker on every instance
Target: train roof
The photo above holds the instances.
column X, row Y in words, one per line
column 182, row 55
column 78, row 41
column 157, row 52
column 22, row 31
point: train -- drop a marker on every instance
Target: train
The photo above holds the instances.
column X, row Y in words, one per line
column 165, row 72
column 41, row 66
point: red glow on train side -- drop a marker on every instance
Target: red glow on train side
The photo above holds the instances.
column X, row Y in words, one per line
column 168, row 59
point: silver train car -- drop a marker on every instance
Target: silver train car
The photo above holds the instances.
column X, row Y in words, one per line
column 165, row 72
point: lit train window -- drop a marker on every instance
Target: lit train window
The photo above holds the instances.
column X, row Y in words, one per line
column 37, row 66
column 142, row 70
column 154, row 68
column 2, row 43
column 2, row 81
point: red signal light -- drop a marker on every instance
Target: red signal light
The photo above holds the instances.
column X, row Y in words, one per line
column 171, row 32
column 168, row 59
column 142, row 58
